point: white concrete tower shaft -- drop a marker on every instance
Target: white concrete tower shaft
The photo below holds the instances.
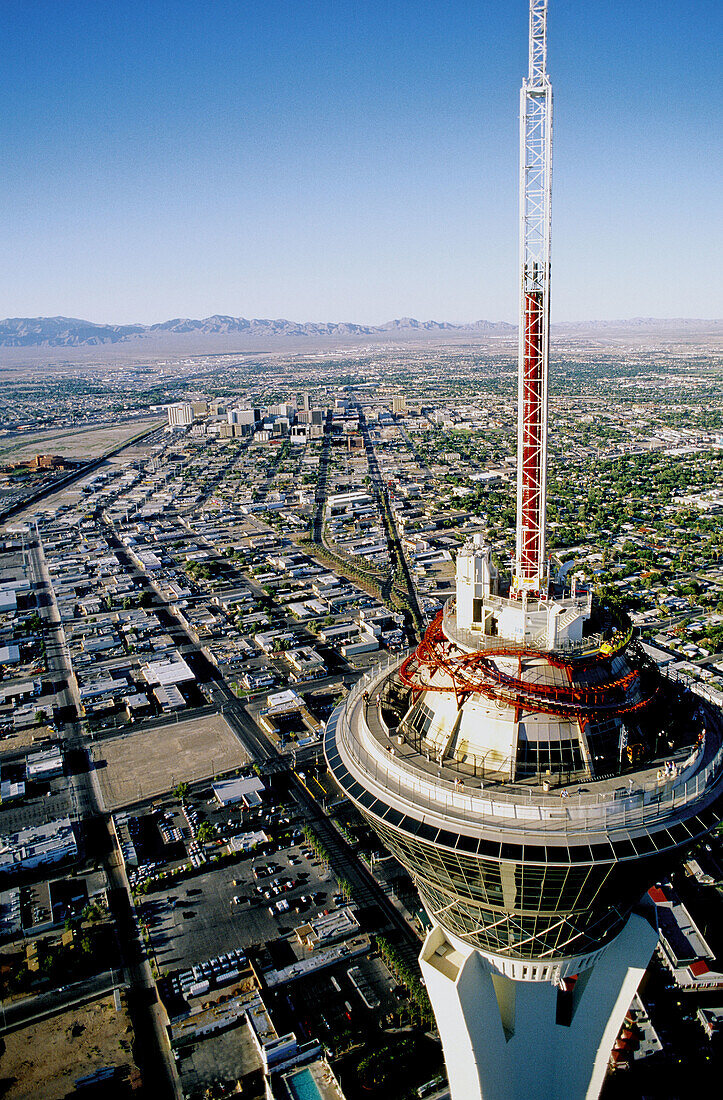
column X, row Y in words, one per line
column 534, row 329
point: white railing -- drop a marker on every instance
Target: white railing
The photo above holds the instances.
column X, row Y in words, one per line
column 476, row 639
column 650, row 799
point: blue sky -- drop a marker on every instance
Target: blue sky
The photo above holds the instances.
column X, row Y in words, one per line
column 352, row 160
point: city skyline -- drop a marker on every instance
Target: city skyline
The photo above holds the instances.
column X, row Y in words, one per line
column 330, row 164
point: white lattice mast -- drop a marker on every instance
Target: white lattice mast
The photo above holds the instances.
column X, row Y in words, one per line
column 535, row 196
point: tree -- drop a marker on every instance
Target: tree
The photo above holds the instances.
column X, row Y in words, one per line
column 206, row 832
column 374, row 1069
column 345, row 889
column 180, row 792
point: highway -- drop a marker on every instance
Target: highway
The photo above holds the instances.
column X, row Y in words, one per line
column 75, row 475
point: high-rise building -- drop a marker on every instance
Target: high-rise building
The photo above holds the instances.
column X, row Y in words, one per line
column 241, row 415
column 180, row 415
column 399, row 405
column 529, row 766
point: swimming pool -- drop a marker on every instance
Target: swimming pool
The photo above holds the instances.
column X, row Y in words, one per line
column 302, row 1086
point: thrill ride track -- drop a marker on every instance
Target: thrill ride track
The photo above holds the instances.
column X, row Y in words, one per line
column 467, row 673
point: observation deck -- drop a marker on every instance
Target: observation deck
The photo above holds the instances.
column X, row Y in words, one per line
column 534, row 786
column 470, row 800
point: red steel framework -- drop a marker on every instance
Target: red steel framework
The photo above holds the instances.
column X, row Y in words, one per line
column 470, row 673
column 531, row 467
column 438, row 664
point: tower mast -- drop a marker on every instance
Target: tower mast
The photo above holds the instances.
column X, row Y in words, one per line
column 534, row 329
column 460, row 756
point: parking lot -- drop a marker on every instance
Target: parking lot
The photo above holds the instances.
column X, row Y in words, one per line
column 198, row 919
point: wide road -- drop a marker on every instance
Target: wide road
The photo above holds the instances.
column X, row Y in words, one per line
column 414, row 620
column 366, row 891
column 322, row 481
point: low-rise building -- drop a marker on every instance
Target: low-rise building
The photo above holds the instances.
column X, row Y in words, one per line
column 170, row 671
column 710, row 1019
column 305, row 663
column 169, row 697
column 246, row 790
column 44, row 764
column 38, row 845
column 682, row 946
column 11, row 923
column 327, row 928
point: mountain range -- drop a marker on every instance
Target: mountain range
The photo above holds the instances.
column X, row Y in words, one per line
column 71, row 332
column 59, row 332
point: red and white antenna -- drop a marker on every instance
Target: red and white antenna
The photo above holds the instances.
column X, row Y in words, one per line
column 535, row 196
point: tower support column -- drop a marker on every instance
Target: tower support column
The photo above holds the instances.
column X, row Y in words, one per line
column 501, row 1037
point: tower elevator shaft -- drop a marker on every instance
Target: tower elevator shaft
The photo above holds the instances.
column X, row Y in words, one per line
column 531, row 465
column 530, row 573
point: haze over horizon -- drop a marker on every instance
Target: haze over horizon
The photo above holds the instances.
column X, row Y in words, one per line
column 324, row 161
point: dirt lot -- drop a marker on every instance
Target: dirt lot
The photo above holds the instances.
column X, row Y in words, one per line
column 82, row 444
column 44, row 1060
column 143, row 765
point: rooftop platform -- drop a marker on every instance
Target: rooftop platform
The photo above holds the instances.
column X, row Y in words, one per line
column 453, row 797
column 476, row 640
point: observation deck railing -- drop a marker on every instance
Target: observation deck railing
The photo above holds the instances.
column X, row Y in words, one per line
column 476, row 639
column 650, row 799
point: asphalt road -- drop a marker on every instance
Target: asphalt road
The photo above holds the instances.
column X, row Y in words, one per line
column 264, row 752
column 415, row 620
column 366, row 890
column 322, row 481
column 157, row 1064
column 18, row 1014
